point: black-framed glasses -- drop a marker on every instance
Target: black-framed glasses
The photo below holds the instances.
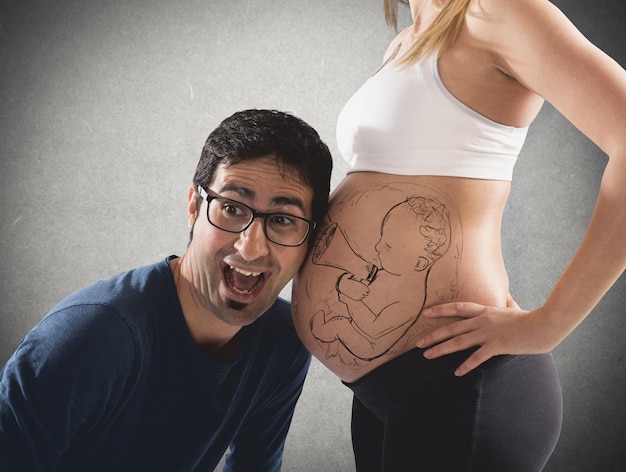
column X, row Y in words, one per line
column 233, row 216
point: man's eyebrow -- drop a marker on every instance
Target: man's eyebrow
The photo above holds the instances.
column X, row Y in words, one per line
column 250, row 194
column 245, row 192
column 289, row 201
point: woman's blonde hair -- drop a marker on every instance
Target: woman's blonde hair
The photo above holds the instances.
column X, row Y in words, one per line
column 439, row 36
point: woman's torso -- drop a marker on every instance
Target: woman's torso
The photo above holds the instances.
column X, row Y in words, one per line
column 394, row 244
column 391, row 246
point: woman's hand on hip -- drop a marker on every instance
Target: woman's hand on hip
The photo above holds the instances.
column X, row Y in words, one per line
column 495, row 330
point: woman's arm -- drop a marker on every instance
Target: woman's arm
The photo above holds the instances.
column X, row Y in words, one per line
column 537, row 45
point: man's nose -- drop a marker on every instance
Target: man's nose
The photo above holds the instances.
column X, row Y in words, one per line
column 252, row 243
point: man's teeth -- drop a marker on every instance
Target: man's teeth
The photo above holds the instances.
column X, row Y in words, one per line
column 245, row 272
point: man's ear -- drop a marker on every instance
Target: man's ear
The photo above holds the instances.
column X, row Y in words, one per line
column 192, row 206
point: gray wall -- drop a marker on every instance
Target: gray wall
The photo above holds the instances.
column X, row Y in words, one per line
column 104, row 107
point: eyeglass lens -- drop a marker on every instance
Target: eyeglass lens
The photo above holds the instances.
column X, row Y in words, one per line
column 280, row 228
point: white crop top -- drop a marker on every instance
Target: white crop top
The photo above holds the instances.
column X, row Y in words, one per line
column 405, row 121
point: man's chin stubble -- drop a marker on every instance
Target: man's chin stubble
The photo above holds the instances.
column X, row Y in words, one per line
column 233, row 305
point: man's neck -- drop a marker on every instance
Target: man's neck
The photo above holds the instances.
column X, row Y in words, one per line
column 216, row 339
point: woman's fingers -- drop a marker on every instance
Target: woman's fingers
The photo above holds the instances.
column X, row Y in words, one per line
column 454, row 310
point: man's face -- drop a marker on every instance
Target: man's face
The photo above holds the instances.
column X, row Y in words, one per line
column 238, row 276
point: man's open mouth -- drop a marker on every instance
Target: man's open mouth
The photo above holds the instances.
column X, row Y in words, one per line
column 242, row 281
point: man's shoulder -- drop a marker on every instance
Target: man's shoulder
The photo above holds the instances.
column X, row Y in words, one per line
column 110, row 322
column 129, row 301
column 132, row 287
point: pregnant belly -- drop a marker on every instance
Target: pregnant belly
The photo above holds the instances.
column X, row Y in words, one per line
column 385, row 252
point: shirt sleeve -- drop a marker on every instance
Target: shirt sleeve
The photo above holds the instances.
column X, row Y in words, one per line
column 66, row 373
column 260, row 440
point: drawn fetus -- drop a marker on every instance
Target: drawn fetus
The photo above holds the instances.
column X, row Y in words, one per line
column 382, row 301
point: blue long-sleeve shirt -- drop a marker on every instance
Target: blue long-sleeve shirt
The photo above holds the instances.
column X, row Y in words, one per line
column 111, row 379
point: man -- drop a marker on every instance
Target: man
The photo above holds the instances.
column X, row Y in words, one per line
column 166, row 366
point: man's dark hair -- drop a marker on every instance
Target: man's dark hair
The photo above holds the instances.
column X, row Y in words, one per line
column 251, row 134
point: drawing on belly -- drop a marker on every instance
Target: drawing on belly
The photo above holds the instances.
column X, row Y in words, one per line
column 380, row 300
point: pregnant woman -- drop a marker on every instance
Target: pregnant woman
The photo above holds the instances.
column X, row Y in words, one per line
column 404, row 295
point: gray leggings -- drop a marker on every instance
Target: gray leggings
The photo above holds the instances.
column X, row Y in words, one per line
column 413, row 414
